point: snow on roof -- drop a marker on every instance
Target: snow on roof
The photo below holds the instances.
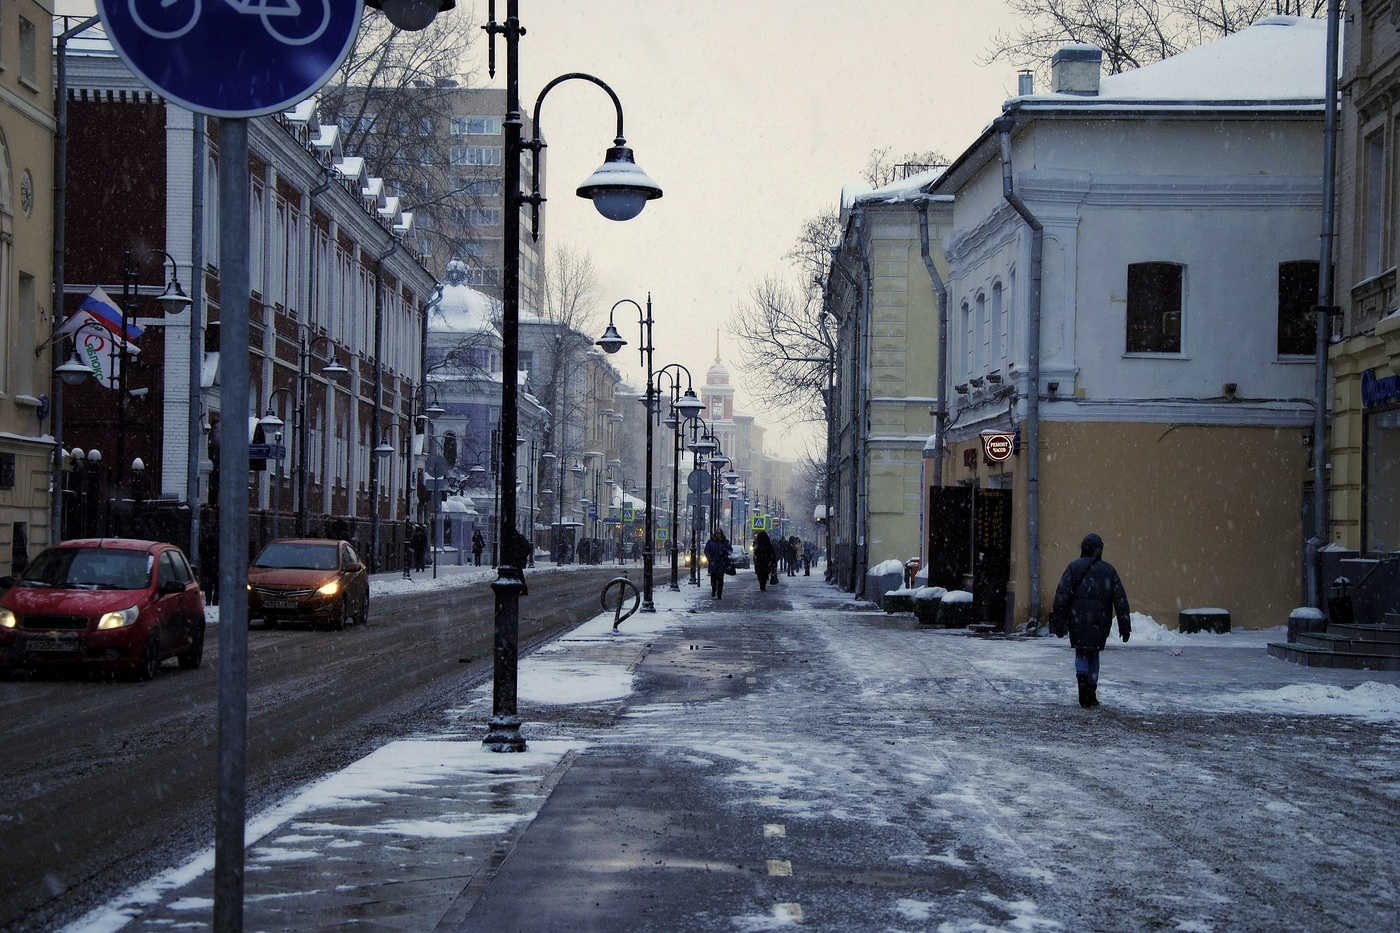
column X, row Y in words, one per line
column 1279, row 59
column 901, row 189
column 463, row 309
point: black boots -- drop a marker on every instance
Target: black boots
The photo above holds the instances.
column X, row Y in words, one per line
column 1088, row 691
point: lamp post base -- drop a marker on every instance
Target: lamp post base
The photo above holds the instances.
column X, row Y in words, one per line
column 503, row 735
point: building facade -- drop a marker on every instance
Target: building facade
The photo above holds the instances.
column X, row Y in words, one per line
column 28, row 467
column 336, row 313
column 1125, row 331
column 883, row 309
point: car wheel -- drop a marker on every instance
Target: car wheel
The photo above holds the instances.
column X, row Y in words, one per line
column 362, row 618
column 190, row 658
column 150, row 659
column 342, row 617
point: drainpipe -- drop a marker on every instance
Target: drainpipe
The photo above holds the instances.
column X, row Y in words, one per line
column 853, row 319
column 1325, row 298
column 859, row 421
column 60, row 210
column 940, row 416
column 376, row 412
column 1003, row 126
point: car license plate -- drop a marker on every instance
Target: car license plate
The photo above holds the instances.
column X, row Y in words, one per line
column 279, row 603
column 51, row 643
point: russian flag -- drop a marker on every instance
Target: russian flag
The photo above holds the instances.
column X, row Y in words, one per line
column 107, row 313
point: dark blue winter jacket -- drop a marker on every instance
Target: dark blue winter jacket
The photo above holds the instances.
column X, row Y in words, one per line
column 1097, row 596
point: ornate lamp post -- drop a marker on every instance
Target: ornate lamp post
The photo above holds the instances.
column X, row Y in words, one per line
column 619, row 190
column 612, row 341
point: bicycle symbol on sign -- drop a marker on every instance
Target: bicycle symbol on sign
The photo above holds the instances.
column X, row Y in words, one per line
column 288, row 21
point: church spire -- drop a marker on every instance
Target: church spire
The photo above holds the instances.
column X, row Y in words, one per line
column 716, row 344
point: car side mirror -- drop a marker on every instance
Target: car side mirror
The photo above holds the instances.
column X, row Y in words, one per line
column 7, row 581
column 170, row 587
column 354, row 568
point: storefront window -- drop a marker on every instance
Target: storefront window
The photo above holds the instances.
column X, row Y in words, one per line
column 1383, row 481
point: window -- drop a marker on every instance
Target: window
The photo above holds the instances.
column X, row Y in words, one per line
column 1374, row 230
column 489, row 277
column 1297, row 296
column 28, row 52
column 1383, row 481
column 1154, row 307
column 476, row 126
column 482, row 187
column 425, row 248
column 478, row 217
column 425, row 126
column 476, row 155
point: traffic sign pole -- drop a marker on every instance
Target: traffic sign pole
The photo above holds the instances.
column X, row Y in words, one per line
column 232, row 61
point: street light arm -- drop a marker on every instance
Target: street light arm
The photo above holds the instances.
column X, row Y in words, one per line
column 538, row 142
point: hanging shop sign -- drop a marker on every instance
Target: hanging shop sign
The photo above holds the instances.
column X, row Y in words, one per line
column 998, row 446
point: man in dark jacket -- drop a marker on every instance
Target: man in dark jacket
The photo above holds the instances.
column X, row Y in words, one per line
column 1088, row 597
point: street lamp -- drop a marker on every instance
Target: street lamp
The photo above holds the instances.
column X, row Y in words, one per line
column 611, row 342
column 683, row 408
column 619, row 190
column 332, row 370
column 270, row 423
column 383, row 452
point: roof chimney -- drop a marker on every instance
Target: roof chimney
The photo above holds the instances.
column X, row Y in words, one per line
column 1075, row 69
column 1025, row 83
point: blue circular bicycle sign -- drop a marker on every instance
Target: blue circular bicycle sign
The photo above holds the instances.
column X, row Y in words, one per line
column 233, row 58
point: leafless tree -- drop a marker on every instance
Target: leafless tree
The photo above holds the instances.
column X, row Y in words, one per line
column 1132, row 33
column 568, row 317
column 392, row 99
column 884, row 169
column 784, row 347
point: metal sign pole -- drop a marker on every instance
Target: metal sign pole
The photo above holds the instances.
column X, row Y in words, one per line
column 231, row 806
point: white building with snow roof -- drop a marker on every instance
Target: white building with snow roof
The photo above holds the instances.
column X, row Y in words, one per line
column 1133, row 262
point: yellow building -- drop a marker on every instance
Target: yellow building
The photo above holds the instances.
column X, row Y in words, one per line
column 26, row 278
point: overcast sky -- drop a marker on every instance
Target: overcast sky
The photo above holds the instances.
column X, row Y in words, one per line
column 751, row 116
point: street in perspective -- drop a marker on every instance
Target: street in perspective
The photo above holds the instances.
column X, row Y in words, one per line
column 796, row 758
column 954, row 487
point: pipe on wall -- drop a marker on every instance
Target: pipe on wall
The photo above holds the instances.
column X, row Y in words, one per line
column 1003, row 126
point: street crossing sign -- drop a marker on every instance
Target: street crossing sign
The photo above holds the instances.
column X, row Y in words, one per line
column 662, row 534
column 762, row 523
column 629, row 514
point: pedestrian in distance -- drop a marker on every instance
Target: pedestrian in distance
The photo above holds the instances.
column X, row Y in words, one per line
column 795, row 552
column 717, row 554
column 420, row 547
column 478, row 545
column 764, row 558
column 1090, row 594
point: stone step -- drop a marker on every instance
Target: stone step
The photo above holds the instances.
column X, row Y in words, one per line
column 1331, row 641
column 1322, row 657
column 1367, row 632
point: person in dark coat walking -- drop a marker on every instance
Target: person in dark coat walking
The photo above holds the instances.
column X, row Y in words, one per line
column 763, row 558
column 1090, row 594
column 717, row 555
column 478, row 545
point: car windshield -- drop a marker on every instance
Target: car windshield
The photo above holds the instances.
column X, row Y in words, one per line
column 282, row 556
column 98, row 568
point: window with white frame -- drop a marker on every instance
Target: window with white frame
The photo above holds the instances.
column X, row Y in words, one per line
column 1002, row 323
column 475, row 155
column 965, row 329
column 983, row 338
column 1154, row 307
column 476, row 126
column 1374, row 220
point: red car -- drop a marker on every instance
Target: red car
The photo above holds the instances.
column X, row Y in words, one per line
column 309, row 579
column 103, row 603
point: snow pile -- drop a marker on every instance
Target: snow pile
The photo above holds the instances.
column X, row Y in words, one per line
column 1372, row 701
column 887, row 566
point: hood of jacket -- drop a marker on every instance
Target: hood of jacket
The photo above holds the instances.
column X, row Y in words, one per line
column 1091, row 546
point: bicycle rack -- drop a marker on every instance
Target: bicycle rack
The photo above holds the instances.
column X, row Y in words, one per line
column 623, row 585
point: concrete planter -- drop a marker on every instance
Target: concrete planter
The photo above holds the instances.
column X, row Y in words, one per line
column 1191, row 621
column 927, row 599
column 899, row 601
column 956, row 610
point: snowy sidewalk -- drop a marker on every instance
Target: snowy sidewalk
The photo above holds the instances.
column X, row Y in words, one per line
column 792, row 757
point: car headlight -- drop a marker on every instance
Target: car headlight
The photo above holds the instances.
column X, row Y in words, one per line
column 118, row 619
column 329, row 588
column 7, row 619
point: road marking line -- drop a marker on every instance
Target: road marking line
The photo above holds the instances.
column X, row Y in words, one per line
column 750, row 680
column 771, row 800
column 789, row 913
column 774, row 829
column 779, row 868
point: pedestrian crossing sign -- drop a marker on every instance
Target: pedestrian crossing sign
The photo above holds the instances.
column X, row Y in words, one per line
column 629, row 514
column 761, row 523
column 661, row 534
